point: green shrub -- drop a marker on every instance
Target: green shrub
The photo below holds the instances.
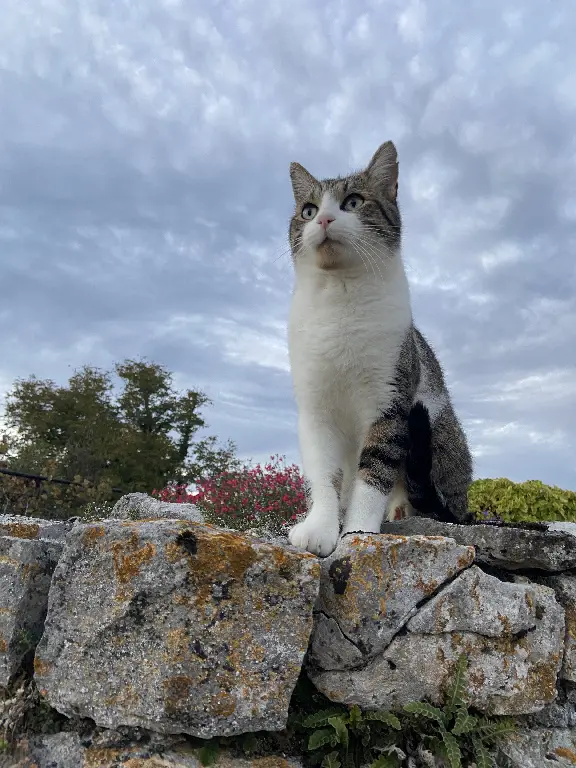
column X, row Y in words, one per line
column 21, row 496
column 532, row 501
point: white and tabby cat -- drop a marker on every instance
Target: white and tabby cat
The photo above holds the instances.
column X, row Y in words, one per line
column 376, row 425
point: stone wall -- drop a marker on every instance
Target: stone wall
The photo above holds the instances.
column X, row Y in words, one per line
column 151, row 626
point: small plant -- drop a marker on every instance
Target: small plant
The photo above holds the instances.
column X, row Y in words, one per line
column 452, row 733
column 209, row 752
column 95, row 510
column 347, row 737
column 350, row 738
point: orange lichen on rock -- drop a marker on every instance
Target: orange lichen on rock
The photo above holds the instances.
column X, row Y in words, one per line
column 103, row 757
column 178, row 644
column 92, row 534
column 129, row 557
column 212, row 556
column 177, row 690
column 427, row 587
column 20, row 530
column 126, row 696
column 571, row 621
column 466, row 559
column 567, row 754
column 41, row 668
column 11, row 561
column 223, row 704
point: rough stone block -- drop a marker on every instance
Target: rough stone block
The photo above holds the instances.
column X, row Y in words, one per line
column 565, row 588
column 34, row 528
column 477, row 602
column 140, row 506
column 508, row 548
column 176, row 627
column 540, row 748
column 371, row 585
column 560, row 714
column 26, row 567
column 512, row 635
column 67, row 750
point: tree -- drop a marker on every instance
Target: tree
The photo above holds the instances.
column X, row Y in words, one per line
column 139, row 436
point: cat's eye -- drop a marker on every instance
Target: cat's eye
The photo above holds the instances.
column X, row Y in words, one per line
column 352, row 202
column 309, row 211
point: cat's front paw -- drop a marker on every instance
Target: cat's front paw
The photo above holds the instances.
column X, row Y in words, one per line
column 316, row 535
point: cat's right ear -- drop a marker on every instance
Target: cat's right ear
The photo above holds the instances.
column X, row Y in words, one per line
column 302, row 182
column 383, row 169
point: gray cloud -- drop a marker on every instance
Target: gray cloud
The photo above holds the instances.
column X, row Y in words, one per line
column 144, row 196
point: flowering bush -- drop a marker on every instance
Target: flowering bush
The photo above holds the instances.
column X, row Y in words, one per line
column 267, row 497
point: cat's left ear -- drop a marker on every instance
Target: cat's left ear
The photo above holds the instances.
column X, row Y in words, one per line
column 302, row 182
column 383, row 169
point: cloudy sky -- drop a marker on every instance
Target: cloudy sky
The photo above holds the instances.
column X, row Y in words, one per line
column 144, row 196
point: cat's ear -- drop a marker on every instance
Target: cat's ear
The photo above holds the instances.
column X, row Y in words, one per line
column 383, row 169
column 302, row 182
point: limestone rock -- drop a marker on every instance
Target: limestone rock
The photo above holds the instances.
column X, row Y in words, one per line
column 34, row 528
column 476, row 602
column 561, row 525
column 26, row 567
column 540, row 748
column 176, row 627
column 507, row 675
column 330, row 647
column 560, row 714
column 565, row 589
column 67, row 750
column 140, row 506
column 371, row 585
column 509, row 548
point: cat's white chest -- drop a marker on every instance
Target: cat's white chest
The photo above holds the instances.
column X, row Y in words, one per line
column 344, row 341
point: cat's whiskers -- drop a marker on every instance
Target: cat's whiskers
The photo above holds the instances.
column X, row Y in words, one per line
column 289, row 251
column 404, row 260
column 364, row 258
column 378, row 254
column 361, row 249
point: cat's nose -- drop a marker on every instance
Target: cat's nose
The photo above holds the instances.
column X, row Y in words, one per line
column 324, row 221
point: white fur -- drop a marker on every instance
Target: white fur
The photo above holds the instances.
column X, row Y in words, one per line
column 398, row 500
column 345, row 332
column 366, row 510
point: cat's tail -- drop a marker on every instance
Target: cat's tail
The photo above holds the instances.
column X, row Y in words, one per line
column 422, row 494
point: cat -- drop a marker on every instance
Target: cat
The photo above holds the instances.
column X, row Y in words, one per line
column 377, row 430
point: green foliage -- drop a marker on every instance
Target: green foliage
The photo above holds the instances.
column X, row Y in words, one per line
column 208, row 754
column 127, row 428
column 52, row 500
column 452, row 732
column 347, row 737
column 532, row 501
